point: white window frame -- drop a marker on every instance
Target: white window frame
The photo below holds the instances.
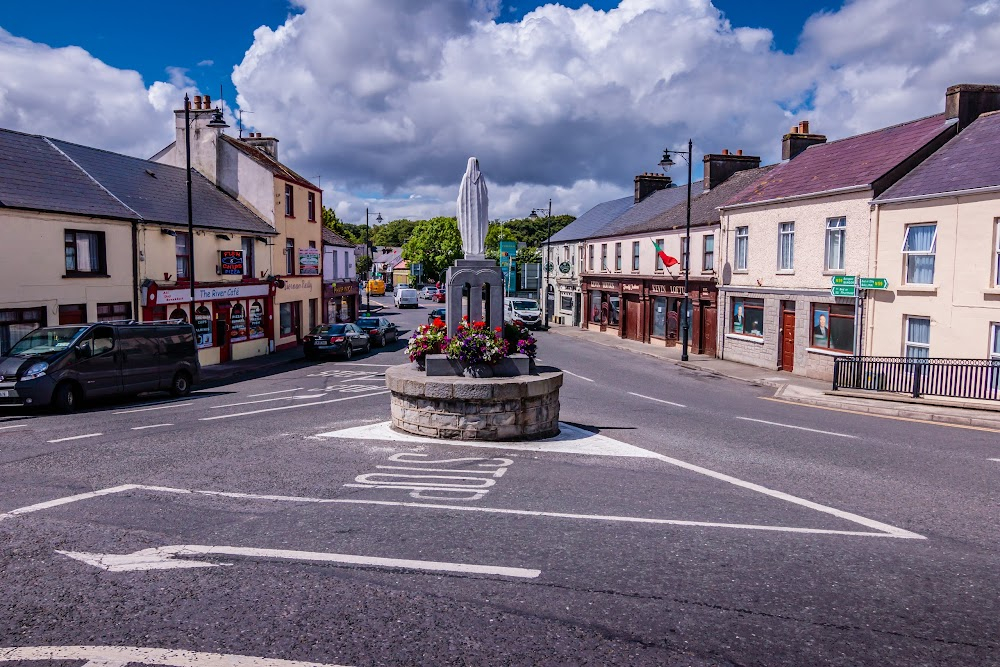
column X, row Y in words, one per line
column 636, row 250
column 907, row 343
column 685, row 252
column 659, row 266
column 706, row 266
column 604, row 257
column 996, row 253
column 786, row 230
column 837, row 226
column 618, row 257
column 994, row 335
column 932, row 252
column 742, row 238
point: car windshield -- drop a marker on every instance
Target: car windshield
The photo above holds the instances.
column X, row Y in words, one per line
column 367, row 322
column 330, row 330
column 525, row 305
column 46, row 341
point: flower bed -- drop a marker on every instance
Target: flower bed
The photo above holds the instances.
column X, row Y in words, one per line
column 474, row 346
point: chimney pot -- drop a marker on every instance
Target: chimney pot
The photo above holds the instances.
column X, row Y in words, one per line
column 725, row 151
column 720, row 167
column 197, row 101
column 207, row 102
column 804, row 126
column 739, row 151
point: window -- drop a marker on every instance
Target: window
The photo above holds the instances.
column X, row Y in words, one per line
column 595, row 306
column 618, row 257
column 16, row 323
column 85, row 253
column 102, row 340
column 659, row 317
column 708, row 253
column 312, row 244
column 333, row 264
column 748, row 317
column 996, row 256
column 786, row 246
column 836, row 228
column 995, row 342
column 179, row 314
column 289, row 257
column 73, row 313
column 742, row 244
column 590, row 258
column 285, row 319
column 635, row 255
column 289, row 201
column 312, row 209
column 107, row 312
column 604, row 257
column 919, row 246
column 565, row 253
column 248, row 242
column 203, row 326
column 685, row 249
column 181, row 245
column 918, row 337
column 659, row 259
column 566, row 302
column 833, row 327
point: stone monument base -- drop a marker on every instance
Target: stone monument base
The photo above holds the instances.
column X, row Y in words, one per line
column 460, row 408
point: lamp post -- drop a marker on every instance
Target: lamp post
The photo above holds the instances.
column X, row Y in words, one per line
column 371, row 259
column 666, row 162
column 548, row 253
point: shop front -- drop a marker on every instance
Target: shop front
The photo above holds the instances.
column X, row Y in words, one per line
column 342, row 299
column 231, row 321
column 297, row 301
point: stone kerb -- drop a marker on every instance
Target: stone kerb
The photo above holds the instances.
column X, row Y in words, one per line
column 514, row 408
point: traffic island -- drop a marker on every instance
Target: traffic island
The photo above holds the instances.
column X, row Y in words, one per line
column 523, row 407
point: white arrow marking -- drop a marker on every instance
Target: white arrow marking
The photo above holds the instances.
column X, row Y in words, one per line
column 163, row 558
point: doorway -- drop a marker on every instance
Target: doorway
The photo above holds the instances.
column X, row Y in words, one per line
column 709, row 327
column 222, row 311
column 633, row 317
column 786, row 357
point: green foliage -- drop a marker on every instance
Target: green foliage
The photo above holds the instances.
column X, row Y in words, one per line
column 436, row 244
column 352, row 233
column 362, row 265
column 528, row 255
column 393, row 234
column 524, row 230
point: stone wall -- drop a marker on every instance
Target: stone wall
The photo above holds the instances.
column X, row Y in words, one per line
column 516, row 408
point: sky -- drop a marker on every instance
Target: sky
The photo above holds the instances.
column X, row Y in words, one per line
column 383, row 101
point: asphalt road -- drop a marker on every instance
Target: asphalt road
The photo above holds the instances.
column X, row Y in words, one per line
column 682, row 519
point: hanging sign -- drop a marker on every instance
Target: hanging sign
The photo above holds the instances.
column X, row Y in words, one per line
column 231, row 262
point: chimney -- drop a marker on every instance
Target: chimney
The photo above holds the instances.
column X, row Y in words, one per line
column 966, row 101
column 798, row 139
column 197, row 102
column 720, row 166
column 267, row 145
column 204, row 139
column 647, row 184
column 207, row 104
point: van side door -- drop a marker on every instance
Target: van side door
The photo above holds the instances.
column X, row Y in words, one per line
column 139, row 350
column 98, row 368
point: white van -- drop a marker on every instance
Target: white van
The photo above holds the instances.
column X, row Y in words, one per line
column 526, row 310
column 405, row 296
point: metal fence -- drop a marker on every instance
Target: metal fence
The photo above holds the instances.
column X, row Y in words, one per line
column 956, row 378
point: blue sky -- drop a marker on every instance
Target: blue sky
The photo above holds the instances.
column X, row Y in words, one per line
column 386, row 99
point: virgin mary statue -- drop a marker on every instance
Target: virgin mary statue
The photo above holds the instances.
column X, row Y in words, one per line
column 473, row 211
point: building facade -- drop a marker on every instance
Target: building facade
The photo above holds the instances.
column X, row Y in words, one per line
column 341, row 294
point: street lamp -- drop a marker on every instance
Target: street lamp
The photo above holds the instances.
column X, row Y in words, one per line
column 666, row 162
column 371, row 259
column 548, row 253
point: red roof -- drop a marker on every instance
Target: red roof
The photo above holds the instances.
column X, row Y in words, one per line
column 852, row 162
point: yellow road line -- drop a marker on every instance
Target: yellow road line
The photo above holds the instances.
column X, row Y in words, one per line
column 872, row 414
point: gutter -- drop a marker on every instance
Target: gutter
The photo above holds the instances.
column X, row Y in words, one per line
column 135, row 271
column 937, row 195
column 811, row 195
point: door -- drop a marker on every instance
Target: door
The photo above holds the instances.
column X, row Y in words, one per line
column 99, row 369
column 576, row 309
column 787, row 339
column 633, row 317
column 297, row 320
column 140, row 353
column 222, row 310
column 709, row 327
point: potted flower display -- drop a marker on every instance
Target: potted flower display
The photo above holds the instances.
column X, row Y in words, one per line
column 477, row 348
column 519, row 339
column 427, row 339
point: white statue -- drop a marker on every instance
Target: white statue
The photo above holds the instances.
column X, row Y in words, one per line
column 473, row 211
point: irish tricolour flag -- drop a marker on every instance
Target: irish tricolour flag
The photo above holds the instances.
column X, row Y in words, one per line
column 667, row 260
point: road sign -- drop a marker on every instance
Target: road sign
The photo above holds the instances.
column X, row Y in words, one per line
column 847, row 281
column 873, row 283
column 842, row 290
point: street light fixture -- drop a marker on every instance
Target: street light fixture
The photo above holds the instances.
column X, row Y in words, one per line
column 371, row 259
column 548, row 254
column 666, row 162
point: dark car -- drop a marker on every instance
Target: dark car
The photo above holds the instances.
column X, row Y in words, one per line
column 63, row 366
column 437, row 313
column 380, row 330
column 341, row 339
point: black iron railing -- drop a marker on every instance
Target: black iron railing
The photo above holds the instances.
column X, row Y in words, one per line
column 956, row 378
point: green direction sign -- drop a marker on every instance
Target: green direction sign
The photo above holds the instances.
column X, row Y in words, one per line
column 847, row 281
column 873, row 283
column 842, row 290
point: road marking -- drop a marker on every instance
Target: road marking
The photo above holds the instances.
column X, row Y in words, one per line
column 68, row 499
column 309, row 396
column 293, row 406
column 139, row 428
column 76, row 437
column 157, row 407
column 798, row 428
column 993, row 459
column 658, row 400
column 576, row 376
column 163, row 558
column 268, row 393
column 123, row 655
column 2, row 428
column 872, row 414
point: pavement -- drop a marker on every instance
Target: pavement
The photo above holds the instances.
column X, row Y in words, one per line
column 800, row 389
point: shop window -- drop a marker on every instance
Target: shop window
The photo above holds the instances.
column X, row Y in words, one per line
column 918, row 337
column 635, row 255
column 289, row 201
column 203, row 326
column 311, row 199
column 179, row 314
column 107, row 312
column 85, row 253
column 256, row 325
column 237, row 323
column 248, row 269
column 659, row 328
column 614, row 309
column 786, row 246
column 742, row 245
column 285, row 324
column 289, row 257
column 566, row 302
column 919, row 247
column 659, row 257
column 181, row 244
column 16, row 323
column 708, row 253
column 833, row 327
column 836, row 231
column 748, row 317
column 618, row 257
column 595, row 306
column 73, row 313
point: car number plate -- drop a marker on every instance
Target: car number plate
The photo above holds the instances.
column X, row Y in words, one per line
column 5, row 393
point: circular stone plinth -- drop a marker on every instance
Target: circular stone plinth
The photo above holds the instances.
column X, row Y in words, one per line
column 525, row 407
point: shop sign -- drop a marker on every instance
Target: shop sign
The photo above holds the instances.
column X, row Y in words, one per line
column 168, row 296
column 564, row 267
column 309, row 261
column 256, row 320
column 231, row 262
column 632, row 287
column 238, row 323
column 304, row 285
column 344, row 287
column 657, row 288
column 604, row 285
column 203, row 326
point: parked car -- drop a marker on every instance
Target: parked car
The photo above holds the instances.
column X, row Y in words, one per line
column 376, row 287
column 428, row 292
column 439, row 297
column 405, row 296
column 64, row 366
column 436, row 313
column 341, row 339
column 380, row 330
column 526, row 310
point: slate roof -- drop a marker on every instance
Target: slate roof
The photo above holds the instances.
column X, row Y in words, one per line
column 268, row 162
column 704, row 206
column 852, row 162
column 652, row 206
column 331, row 237
column 593, row 221
column 967, row 162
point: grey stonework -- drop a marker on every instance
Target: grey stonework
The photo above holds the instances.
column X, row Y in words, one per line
column 518, row 408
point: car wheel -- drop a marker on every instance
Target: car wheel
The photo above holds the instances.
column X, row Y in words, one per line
column 381, row 340
column 66, row 397
column 181, row 384
column 348, row 351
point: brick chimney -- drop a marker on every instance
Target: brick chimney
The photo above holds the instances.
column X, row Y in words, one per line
column 966, row 101
column 647, row 184
column 798, row 139
column 720, row 166
column 268, row 145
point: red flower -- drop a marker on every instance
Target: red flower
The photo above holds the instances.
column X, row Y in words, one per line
column 498, row 329
column 479, row 325
column 438, row 322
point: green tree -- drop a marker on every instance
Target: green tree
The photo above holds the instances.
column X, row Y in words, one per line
column 436, row 244
column 393, row 234
column 362, row 265
column 524, row 230
column 348, row 231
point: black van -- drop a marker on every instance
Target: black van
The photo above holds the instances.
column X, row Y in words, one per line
column 61, row 366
